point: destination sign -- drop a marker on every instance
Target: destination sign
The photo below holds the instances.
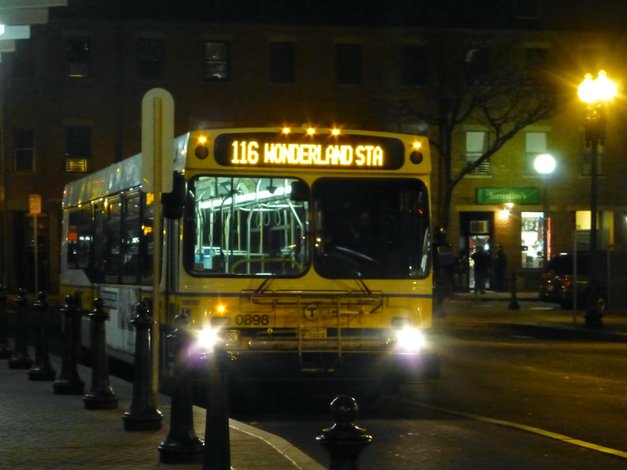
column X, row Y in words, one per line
column 298, row 150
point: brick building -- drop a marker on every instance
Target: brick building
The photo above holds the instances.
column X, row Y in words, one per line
column 72, row 95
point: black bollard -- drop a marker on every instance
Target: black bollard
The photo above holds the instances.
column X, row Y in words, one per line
column 181, row 445
column 101, row 395
column 42, row 370
column 69, row 383
column 143, row 414
column 513, row 302
column 344, row 440
column 217, row 439
column 20, row 358
column 5, row 350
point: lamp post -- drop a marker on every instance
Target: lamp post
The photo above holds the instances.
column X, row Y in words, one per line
column 595, row 93
column 544, row 165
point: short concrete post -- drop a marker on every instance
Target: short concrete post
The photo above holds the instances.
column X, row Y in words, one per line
column 101, row 395
column 143, row 414
column 181, row 445
column 513, row 302
column 5, row 350
column 42, row 370
column 21, row 359
column 344, row 440
column 69, row 382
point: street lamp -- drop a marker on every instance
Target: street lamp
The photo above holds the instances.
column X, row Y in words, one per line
column 595, row 93
column 544, row 165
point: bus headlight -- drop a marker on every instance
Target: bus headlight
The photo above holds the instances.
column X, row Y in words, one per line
column 208, row 337
column 410, row 339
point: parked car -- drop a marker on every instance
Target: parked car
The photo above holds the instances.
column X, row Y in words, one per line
column 562, row 279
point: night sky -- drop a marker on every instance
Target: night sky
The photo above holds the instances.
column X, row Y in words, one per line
column 527, row 14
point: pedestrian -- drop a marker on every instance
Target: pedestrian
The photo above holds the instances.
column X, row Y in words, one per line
column 500, row 267
column 460, row 272
column 443, row 260
column 482, row 261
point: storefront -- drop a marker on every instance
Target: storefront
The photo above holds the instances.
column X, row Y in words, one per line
column 513, row 218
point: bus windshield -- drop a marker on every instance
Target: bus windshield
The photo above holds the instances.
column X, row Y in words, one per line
column 346, row 227
column 246, row 225
column 371, row 228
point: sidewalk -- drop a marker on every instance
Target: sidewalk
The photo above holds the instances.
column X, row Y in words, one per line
column 493, row 310
column 42, row 430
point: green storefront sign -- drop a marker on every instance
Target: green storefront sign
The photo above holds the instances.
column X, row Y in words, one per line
column 505, row 195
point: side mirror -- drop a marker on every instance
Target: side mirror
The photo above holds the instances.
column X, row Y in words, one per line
column 174, row 202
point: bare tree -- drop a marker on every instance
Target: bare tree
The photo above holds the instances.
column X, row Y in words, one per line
column 474, row 78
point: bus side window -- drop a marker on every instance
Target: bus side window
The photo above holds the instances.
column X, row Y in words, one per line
column 79, row 240
column 131, row 237
column 113, row 240
column 98, row 254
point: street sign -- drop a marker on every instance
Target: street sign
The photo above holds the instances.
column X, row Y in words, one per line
column 157, row 137
column 34, row 204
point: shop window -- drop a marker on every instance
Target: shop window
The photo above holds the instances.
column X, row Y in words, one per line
column 532, row 239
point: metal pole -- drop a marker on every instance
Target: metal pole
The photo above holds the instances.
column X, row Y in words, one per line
column 545, row 225
column 157, row 237
column 593, row 316
column 35, row 252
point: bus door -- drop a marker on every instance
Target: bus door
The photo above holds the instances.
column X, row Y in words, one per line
column 120, row 302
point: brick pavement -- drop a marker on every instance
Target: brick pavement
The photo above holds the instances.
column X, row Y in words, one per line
column 42, row 430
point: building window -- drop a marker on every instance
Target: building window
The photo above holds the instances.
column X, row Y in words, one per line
column 24, row 145
column 348, row 64
column 536, row 61
column 216, row 61
column 282, row 62
column 78, row 142
column 586, row 159
column 413, row 65
column 150, row 55
column 476, row 143
column 535, row 144
column 77, row 57
column 23, row 63
column 478, row 66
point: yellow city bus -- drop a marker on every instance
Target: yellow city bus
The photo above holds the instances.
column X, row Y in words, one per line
column 307, row 250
